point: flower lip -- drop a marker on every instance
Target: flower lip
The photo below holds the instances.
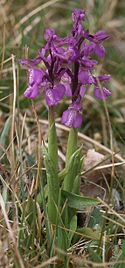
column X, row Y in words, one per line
column 85, row 77
column 72, row 117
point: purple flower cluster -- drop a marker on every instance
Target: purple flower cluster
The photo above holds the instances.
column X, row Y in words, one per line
column 64, row 67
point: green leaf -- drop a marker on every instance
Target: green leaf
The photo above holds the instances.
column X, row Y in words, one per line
column 52, row 140
column 78, row 202
column 72, row 170
column 46, row 218
column 62, row 174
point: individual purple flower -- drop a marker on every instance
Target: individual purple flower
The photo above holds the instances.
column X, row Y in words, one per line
column 35, row 76
column 99, row 50
column 87, row 49
column 88, row 63
column 54, row 95
column 101, row 93
column 66, row 55
column 73, row 116
column 85, row 77
column 78, row 16
column 104, row 77
column 35, row 79
column 49, row 34
column 66, row 81
column 32, row 92
column 30, row 63
column 96, row 43
column 100, row 36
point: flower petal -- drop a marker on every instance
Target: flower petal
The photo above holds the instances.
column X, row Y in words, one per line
column 78, row 120
column 104, row 77
column 85, row 77
column 88, row 63
column 27, row 63
column 101, row 93
column 66, row 81
column 99, row 51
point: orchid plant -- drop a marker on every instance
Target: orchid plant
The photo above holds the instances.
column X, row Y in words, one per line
column 65, row 68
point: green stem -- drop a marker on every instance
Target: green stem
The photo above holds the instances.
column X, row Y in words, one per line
column 52, row 169
column 71, row 148
column 69, row 178
column 72, row 144
column 52, row 139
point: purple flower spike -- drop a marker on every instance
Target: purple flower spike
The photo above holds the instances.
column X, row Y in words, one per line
column 66, row 66
column 72, row 118
column 54, row 95
column 101, row 93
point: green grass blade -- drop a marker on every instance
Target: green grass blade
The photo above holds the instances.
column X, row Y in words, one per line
column 4, row 134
